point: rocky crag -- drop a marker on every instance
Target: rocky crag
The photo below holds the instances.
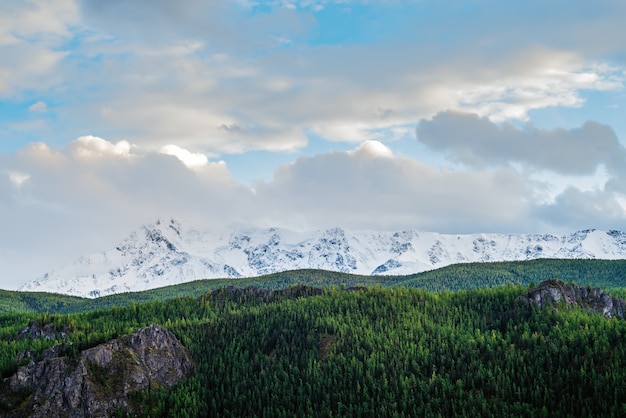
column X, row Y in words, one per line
column 35, row 330
column 99, row 380
column 555, row 292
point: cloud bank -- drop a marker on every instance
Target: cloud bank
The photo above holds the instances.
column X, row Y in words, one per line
column 478, row 142
column 220, row 77
column 91, row 193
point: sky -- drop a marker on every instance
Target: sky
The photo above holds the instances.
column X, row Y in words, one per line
column 450, row 116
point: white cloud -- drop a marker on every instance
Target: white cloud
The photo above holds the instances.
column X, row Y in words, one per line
column 37, row 21
column 190, row 159
column 32, row 33
column 369, row 188
column 233, row 104
column 89, row 195
column 18, row 178
column 554, row 82
column 373, row 149
column 163, row 74
column 28, row 67
column 92, row 147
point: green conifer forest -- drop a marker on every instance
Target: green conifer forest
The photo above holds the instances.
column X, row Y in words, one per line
column 369, row 350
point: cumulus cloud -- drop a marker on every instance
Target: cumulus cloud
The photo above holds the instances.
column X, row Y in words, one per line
column 90, row 146
column 87, row 196
column 90, row 203
column 372, row 149
column 369, row 188
column 478, row 142
column 190, row 159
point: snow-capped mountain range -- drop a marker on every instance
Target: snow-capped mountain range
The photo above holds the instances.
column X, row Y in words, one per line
column 169, row 252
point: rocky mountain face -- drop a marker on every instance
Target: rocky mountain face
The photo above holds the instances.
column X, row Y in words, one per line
column 170, row 252
column 554, row 292
column 35, row 330
column 98, row 382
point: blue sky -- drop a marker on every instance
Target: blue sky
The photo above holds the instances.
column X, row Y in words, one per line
column 448, row 116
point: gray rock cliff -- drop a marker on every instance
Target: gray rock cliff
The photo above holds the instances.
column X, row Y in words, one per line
column 553, row 292
column 99, row 381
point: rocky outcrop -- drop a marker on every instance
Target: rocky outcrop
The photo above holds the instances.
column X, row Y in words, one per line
column 98, row 382
column 554, row 292
column 35, row 330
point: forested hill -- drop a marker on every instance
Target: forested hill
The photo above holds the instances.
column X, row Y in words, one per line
column 606, row 274
column 360, row 352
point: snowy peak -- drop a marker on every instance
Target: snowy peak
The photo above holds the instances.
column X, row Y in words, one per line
column 170, row 252
column 332, row 252
column 401, row 242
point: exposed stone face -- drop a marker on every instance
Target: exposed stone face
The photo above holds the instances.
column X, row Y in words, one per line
column 552, row 292
column 100, row 380
column 35, row 330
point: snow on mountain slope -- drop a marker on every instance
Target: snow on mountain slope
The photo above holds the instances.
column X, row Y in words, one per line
column 169, row 252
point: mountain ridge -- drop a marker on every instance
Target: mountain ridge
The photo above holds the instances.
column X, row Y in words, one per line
column 170, row 252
